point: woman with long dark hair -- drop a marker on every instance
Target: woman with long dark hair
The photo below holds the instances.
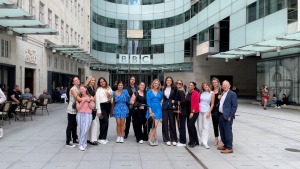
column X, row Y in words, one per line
column 217, row 90
column 92, row 135
column 103, row 106
column 265, row 95
column 121, row 111
column 84, row 116
column 168, row 114
column 284, row 100
column 180, row 101
column 192, row 102
column 138, row 99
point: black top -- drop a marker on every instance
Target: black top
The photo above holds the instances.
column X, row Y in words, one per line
column 189, row 99
column 16, row 93
column 114, row 88
column 180, row 96
column 216, row 101
column 128, row 88
column 140, row 99
column 285, row 100
column 91, row 91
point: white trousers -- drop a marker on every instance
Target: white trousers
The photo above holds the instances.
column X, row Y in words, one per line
column 64, row 96
column 93, row 132
column 203, row 127
column 84, row 122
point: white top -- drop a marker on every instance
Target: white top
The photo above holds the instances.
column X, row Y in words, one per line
column 167, row 92
column 205, row 100
column 102, row 98
column 2, row 97
column 222, row 101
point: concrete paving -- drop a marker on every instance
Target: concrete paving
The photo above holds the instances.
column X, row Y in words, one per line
column 260, row 139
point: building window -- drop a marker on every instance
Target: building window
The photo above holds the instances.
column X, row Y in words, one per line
column 4, row 48
column 41, row 15
column 75, row 8
column 79, row 12
column 55, row 62
column 31, row 7
column 56, row 25
column 81, row 18
column 81, row 42
column 20, row 4
column 88, row 19
column 67, row 34
column 67, row 3
column 75, row 40
column 71, row 6
column 62, row 64
column 62, row 31
column 71, row 66
column 71, row 37
column 49, row 60
column 50, row 18
column 75, row 67
column 88, row 46
column 67, row 65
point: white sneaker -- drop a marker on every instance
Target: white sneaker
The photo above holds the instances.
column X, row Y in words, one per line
column 141, row 141
column 81, row 148
column 122, row 140
column 150, row 143
column 206, row 146
column 70, row 145
column 168, row 143
column 279, row 107
column 102, row 142
column 276, row 107
column 155, row 142
column 118, row 140
column 174, row 143
column 180, row 145
column 1, row 132
column 106, row 141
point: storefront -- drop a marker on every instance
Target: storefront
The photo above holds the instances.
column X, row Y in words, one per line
column 56, row 79
column 282, row 77
column 7, row 76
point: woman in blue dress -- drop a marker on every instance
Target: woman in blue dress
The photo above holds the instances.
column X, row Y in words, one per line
column 121, row 111
column 154, row 97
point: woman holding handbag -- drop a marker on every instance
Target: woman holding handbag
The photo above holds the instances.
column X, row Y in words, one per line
column 168, row 114
column 154, row 97
column 207, row 99
column 139, row 102
column 192, row 107
column 92, row 135
column 120, row 110
column 103, row 106
column 84, row 116
column 180, row 101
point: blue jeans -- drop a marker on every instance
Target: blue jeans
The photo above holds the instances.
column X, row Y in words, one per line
column 268, row 104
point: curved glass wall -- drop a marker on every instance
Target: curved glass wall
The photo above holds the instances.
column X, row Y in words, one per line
column 136, row 2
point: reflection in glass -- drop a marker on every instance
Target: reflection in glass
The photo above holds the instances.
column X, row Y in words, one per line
column 134, row 2
column 179, row 19
column 170, row 22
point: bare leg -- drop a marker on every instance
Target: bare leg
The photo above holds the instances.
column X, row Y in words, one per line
column 122, row 127
column 216, row 141
column 118, row 127
column 265, row 103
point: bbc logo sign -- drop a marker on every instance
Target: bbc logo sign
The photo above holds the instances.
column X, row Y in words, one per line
column 134, row 59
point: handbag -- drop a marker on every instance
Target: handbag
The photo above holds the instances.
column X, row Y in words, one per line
column 74, row 104
column 94, row 112
column 113, row 105
column 149, row 124
column 178, row 111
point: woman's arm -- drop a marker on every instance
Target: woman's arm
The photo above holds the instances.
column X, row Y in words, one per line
column 132, row 99
column 195, row 101
column 92, row 105
column 74, row 93
column 79, row 104
column 98, row 107
column 211, row 105
column 149, row 103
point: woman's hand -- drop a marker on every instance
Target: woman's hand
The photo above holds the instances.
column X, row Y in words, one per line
column 191, row 115
column 151, row 114
column 220, row 96
column 92, row 98
column 88, row 99
column 173, row 101
column 99, row 115
column 84, row 100
column 207, row 115
column 179, row 103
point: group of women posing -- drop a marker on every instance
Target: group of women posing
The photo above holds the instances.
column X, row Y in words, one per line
column 91, row 104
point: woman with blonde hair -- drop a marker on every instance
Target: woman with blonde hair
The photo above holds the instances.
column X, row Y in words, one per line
column 92, row 134
column 180, row 101
column 217, row 91
column 207, row 99
column 154, row 97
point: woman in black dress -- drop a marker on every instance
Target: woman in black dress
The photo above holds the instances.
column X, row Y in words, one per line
column 139, row 114
column 180, row 101
column 217, row 90
column 92, row 134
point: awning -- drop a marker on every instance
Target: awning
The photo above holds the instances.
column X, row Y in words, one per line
column 16, row 21
column 274, row 45
column 72, row 52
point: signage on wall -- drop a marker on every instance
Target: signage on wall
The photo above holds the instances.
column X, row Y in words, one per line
column 135, row 33
column 134, row 59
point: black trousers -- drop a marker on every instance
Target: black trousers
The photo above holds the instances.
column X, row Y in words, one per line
column 128, row 121
column 71, row 128
column 192, row 128
column 279, row 103
column 105, row 109
column 215, row 122
column 139, row 126
column 169, row 121
column 182, row 128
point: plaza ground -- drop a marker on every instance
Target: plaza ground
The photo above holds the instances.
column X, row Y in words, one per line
column 260, row 139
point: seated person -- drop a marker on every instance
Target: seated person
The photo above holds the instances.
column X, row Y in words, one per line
column 2, row 98
column 42, row 97
column 284, row 100
column 27, row 95
column 15, row 94
column 62, row 90
column 273, row 100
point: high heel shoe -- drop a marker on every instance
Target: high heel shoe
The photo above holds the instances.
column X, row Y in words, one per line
column 216, row 143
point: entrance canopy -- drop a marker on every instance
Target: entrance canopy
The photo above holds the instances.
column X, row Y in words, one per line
column 72, row 52
column 274, row 45
column 16, row 21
